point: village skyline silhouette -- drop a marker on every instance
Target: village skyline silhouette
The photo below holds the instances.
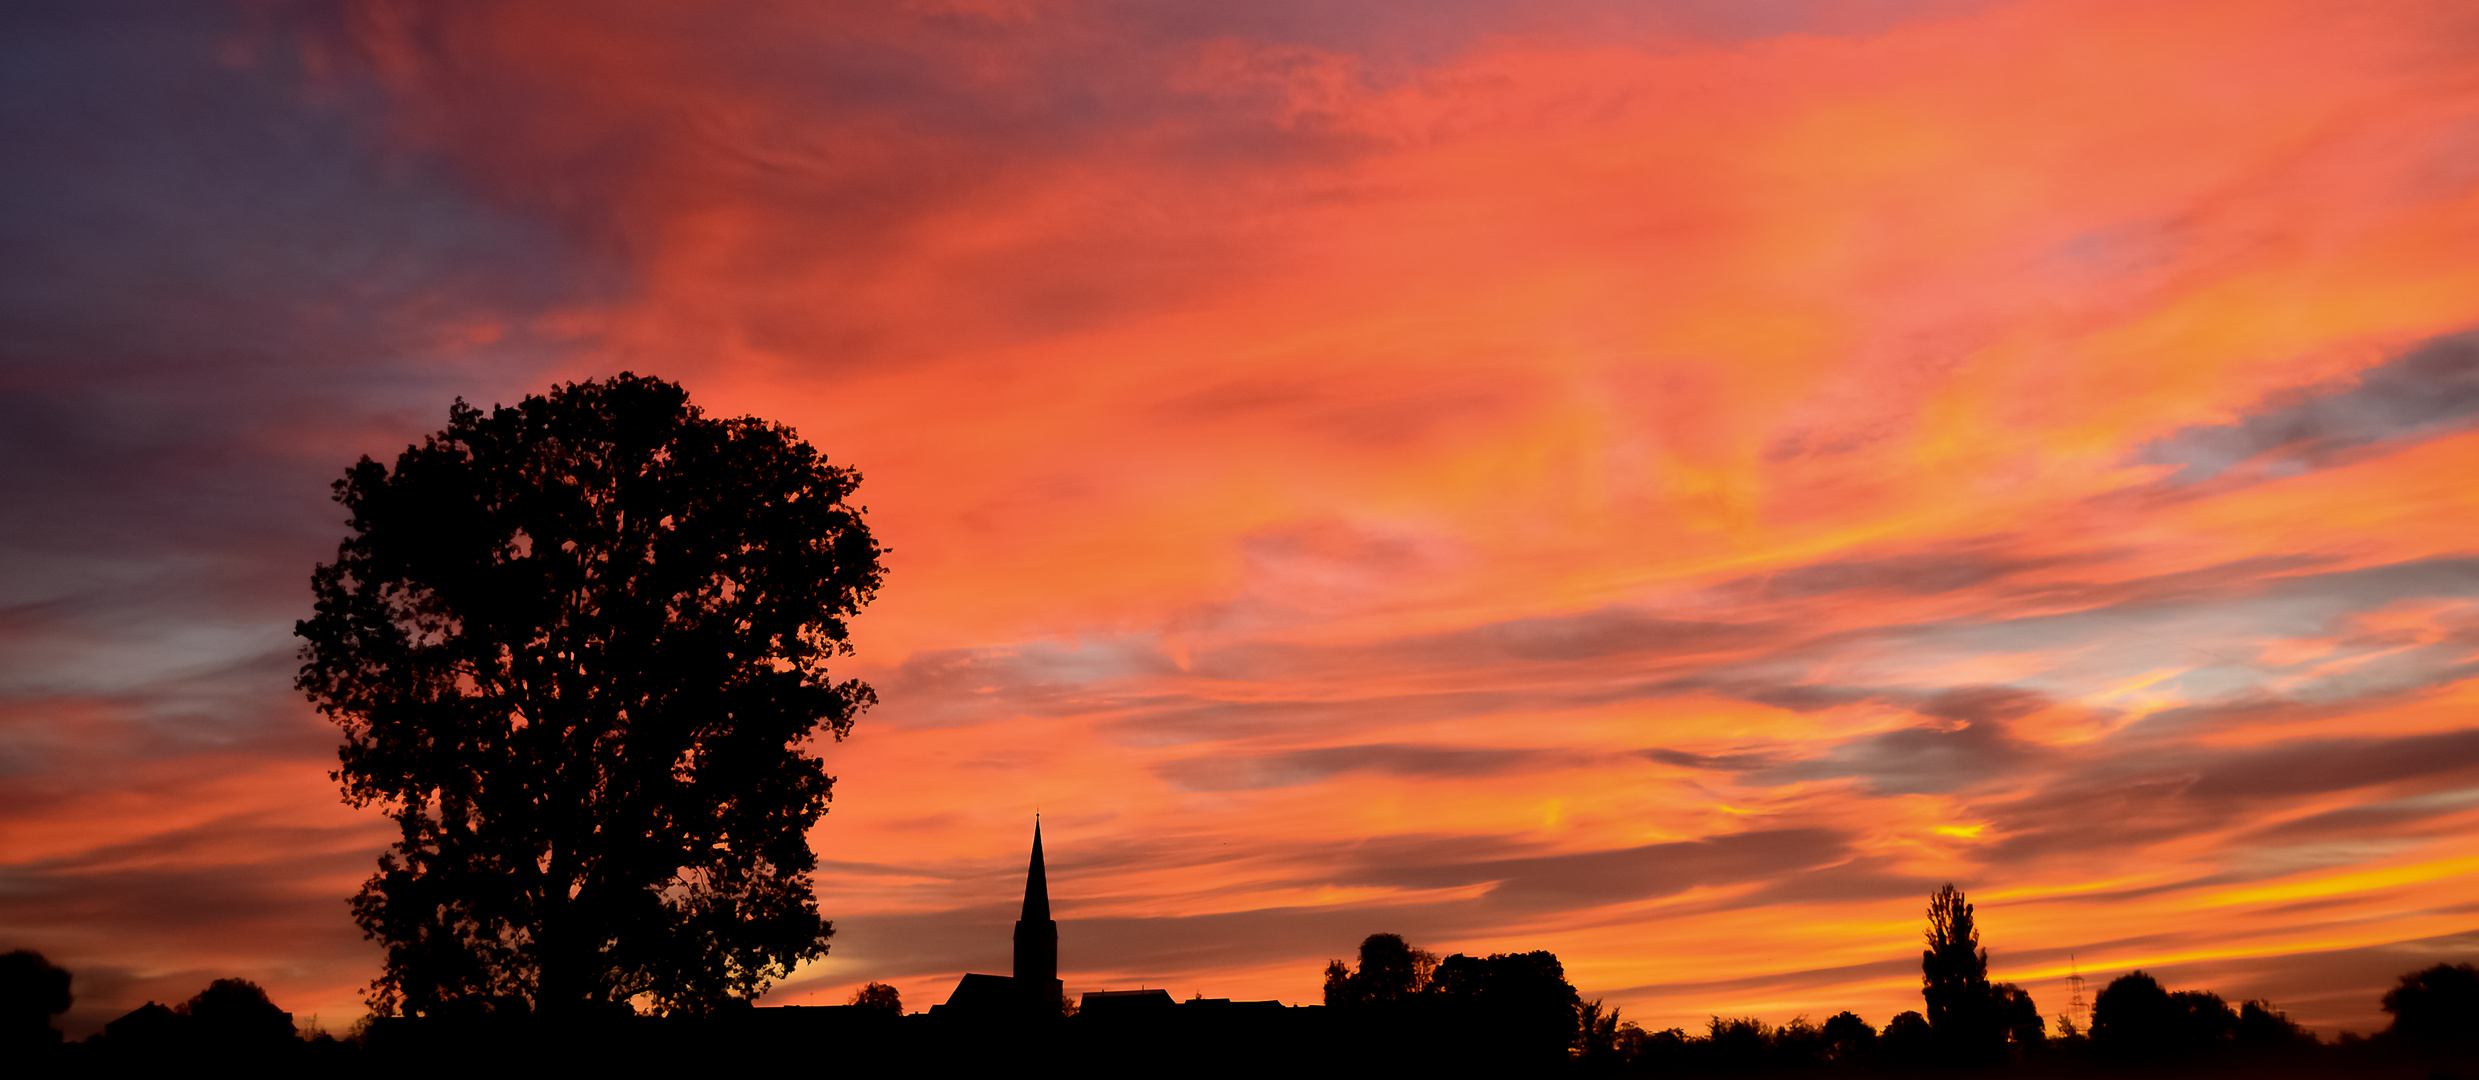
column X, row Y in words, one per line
column 1399, row 1007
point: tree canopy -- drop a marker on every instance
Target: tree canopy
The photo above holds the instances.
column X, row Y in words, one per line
column 32, row 991
column 1953, row 969
column 879, row 997
column 1391, row 969
column 1502, row 1010
column 2436, row 1004
column 1523, row 997
column 2136, row 1018
column 578, row 650
column 1972, row 1019
column 235, row 1013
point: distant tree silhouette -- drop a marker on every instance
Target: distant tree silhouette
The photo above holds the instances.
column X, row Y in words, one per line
column 1848, row 1038
column 2203, row 1019
column 878, row 996
column 235, row 1015
column 1597, row 1028
column 1390, row 970
column 2135, row 1019
column 1799, row 1043
column 2017, row 1015
column 1953, row 969
column 578, row 649
column 2436, row 1006
column 1522, row 1001
column 2264, row 1027
column 1739, row 1044
column 1908, row 1040
column 1338, row 983
column 32, row 991
column 1658, row 1052
column 1962, row 1008
column 1504, row 1011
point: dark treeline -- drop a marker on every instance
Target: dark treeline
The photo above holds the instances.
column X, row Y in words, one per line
column 230, row 1020
column 1397, row 1010
column 1513, row 1011
column 1969, row 1025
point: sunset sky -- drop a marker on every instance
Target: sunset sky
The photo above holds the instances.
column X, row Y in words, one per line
column 1667, row 482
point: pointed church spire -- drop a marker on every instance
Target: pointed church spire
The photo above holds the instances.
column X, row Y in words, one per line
column 1037, row 938
column 1036, row 881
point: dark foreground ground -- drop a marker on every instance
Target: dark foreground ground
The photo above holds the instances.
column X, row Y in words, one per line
column 1248, row 1039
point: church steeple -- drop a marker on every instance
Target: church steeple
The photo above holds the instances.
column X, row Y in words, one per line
column 1036, row 882
column 1037, row 937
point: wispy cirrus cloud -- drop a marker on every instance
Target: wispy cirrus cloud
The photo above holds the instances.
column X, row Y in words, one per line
column 2424, row 392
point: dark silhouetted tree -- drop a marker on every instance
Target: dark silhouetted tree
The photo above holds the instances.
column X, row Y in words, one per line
column 578, row 649
column 1522, row 1001
column 1799, row 1043
column 235, row 1015
column 1953, row 969
column 1338, row 983
column 2203, row 1020
column 32, row 991
column 1390, row 970
column 2264, row 1027
column 1597, row 1032
column 1961, row 1007
column 1659, row 1053
column 880, row 997
column 2132, row 1017
column 1907, row 1040
column 2135, row 1019
column 2436, row 1006
column 1738, row 1045
column 1848, row 1038
column 2018, row 1016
